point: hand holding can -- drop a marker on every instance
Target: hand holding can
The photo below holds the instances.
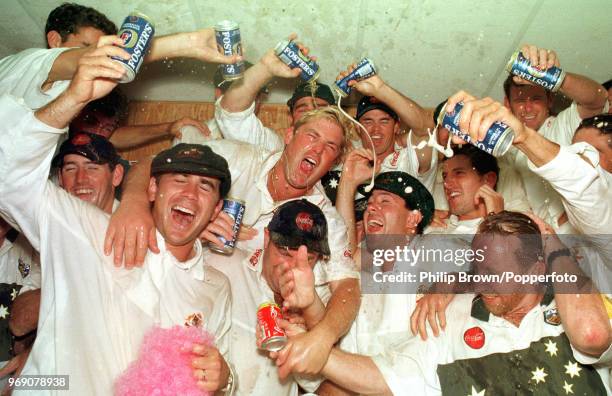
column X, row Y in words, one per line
column 137, row 33
column 227, row 34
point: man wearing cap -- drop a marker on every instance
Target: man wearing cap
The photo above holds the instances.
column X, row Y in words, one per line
column 380, row 111
column 93, row 315
column 295, row 240
column 265, row 180
column 549, row 341
column 235, row 110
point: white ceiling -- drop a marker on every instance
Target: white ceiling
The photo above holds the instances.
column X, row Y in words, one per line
column 427, row 49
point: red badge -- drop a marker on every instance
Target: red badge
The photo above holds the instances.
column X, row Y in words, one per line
column 81, row 139
column 304, row 221
column 395, row 157
column 348, row 253
column 474, row 337
column 255, row 257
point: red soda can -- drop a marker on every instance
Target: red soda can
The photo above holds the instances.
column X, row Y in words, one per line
column 273, row 337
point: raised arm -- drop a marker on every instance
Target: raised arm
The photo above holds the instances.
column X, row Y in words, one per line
column 242, row 93
column 588, row 94
column 131, row 136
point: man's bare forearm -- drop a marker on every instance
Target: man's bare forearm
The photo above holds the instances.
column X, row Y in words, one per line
column 128, row 137
column 356, row 373
column 341, row 309
column 137, row 181
column 242, row 93
column 60, row 112
column 24, row 313
column 588, row 94
column 409, row 111
column 537, row 148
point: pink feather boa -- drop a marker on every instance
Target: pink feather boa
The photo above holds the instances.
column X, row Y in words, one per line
column 164, row 364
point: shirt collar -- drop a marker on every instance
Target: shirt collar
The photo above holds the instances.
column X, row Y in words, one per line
column 194, row 265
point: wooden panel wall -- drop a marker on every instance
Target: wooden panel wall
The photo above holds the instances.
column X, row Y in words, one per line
column 274, row 116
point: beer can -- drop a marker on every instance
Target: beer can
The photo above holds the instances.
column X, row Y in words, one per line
column 137, row 32
column 290, row 54
column 365, row 68
column 551, row 78
column 498, row 140
column 273, row 337
column 235, row 209
column 227, row 34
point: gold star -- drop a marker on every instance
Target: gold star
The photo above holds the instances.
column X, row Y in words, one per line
column 3, row 312
column 476, row 393
column 572, row 369
column 539, row 375
column 551, row 347
column 568, row 388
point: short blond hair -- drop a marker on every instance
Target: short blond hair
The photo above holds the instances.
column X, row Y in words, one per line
column 333, row 114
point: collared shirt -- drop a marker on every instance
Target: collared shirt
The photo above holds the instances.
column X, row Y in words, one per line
column 454, row 226
column 479, row 353
column 257, row 373
column 405, row 159
column 93, row 315
column 22, row 75
column 250, row 165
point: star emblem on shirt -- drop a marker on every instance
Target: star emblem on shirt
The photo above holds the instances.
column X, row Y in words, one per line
column 539, row 375
column 572, row 369
column 551, row 347
column 476, row 393
column 3, row 312
column 333, row 183
column 13, row 294
column 568, row 388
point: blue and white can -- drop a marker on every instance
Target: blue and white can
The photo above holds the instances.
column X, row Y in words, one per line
column 498, row 140
column 227, row 34
column 137, row 32
column 551, row 78
column 365, row 68
column 235, row 209
column 290, row 54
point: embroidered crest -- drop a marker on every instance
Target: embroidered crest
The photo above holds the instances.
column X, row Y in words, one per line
column 552, row 317
column 474, row 337
column 255, row 257
column 81, row 140
column 348, row 253
column 304, row 221
column 395, row 157
column 194, row 320
column 24, row 267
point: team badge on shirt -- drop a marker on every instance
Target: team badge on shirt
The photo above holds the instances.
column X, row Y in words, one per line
column 194, row 320
column 254, row 259
column 552, row 317
column 24, row 267
column 474, row 337
column 394, row 158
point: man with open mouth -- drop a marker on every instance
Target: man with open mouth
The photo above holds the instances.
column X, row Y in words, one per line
column 91, row 312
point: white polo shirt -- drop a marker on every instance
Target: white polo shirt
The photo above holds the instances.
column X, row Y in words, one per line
column 22, row 75
column 257, row 373
column 93, row 315
column 482, row 354
column 250, row 165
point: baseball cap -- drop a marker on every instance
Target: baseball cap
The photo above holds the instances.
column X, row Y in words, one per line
column 94, row 147
column 368, row 103
column 300, row 222
column 193, row 159
column 412, row 191
column 304, row 90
